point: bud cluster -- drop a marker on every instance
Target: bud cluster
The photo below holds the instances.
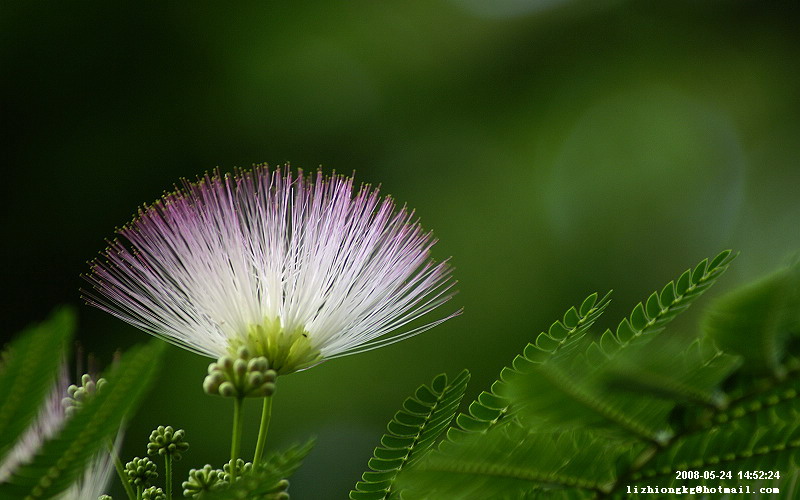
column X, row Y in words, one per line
column 78, row 395
column 153, row 493
column 141, row 471
column 168, row 442
column 241, row 467
column 200, row 480
column 240, row 377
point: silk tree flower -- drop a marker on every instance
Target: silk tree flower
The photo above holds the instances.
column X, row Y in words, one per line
column 298, row 269
column 51, row 418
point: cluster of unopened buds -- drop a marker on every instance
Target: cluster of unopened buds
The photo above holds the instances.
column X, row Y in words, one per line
column 241, row 376
column 202, row 480
column 166, row 441
column 141, row 472
column 210, row 479
column 78, row 395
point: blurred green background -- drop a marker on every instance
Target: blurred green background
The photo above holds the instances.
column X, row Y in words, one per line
column 555, row 147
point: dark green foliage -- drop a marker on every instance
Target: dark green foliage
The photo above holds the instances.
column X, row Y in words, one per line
column 567, row 392
column 28, row 371
column 585, row 418
column 510, row 460
column 630, row 394
column 267, row 481
column 411, row 433
column 62, row 459
column 757, row 321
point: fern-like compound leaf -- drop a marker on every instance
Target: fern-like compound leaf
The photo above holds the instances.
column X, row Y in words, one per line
column 651, row 316
column 411, row 433
column 63, row 458
column 27, row 372
column 510, row 461
column 594, row 415
column 569, row 394
column 587, row 417
column 491, row 406
column 572, row 391
column 761, row 441
column 673, row 372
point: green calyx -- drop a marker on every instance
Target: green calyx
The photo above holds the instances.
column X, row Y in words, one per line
column 168, row 442
column 153, row 493
column 77, row 395
column 242, row 376
column 287, row 351
column 141, row 472
column 201, row 480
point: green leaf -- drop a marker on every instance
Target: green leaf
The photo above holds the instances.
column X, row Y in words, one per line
column 510, row 461
column 761, row 441
column 758, row 320
column 411, row 433
column 571, row 393
column 268, row 481
column 63, row 458
column 583, row 418
column 668, row 370
column 28, row 371
column 572, row 390
column 660, row 309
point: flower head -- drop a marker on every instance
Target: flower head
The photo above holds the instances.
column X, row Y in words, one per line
column 296, row 269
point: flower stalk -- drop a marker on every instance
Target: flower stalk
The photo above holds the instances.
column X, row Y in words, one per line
column 168, row 476
column 236, row 441
column 170, row 443
column 123, row 477
column 266, row 416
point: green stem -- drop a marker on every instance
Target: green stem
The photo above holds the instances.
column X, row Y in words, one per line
column 168, row 474
column 237, row 434
column 121, row 471
column 139, row 492
column 266, row 416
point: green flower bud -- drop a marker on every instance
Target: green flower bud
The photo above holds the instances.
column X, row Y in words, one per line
column 153, row 493
column 167, row 441
column 104, row 497
column 255, row 379
column 257, row 365
column 200, row 480
column 141, row 471
column 240, row 367
column 240, row 377
column 228, row 390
